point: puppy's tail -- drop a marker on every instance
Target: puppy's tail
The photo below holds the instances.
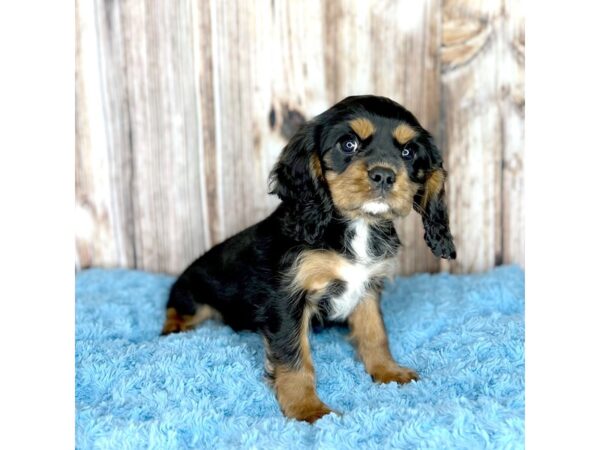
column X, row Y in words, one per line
column 184, row 312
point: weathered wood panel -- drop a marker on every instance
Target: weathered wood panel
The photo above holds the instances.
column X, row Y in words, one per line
column 167, row 185
column 104, row 216
column 481, row 133
column 182, row 108
column 512, row 76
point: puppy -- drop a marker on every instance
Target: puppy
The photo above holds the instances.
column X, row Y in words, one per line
column 326, row 249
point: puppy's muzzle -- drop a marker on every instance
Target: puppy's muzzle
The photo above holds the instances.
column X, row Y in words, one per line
column 382, row 179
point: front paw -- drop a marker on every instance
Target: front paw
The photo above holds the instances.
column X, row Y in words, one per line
column 308, row 412
column 389, row 373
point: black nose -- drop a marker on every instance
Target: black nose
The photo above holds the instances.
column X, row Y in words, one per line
column 382, row 178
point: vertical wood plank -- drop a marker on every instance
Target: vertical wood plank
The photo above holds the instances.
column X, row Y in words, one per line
column 104, row 218
column 473, row 130
column 235, row 154
column 163, row 113
column 512, row 106
column 389, row 49
column 208, row 116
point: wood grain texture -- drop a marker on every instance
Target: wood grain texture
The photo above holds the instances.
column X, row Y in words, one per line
column 512, row 74
column 104, row 217
column 481, row 132
column 167, row 189
column 183, row 107
column 472, row 129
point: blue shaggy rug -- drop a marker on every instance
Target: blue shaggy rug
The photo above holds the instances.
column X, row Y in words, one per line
column 204, row 389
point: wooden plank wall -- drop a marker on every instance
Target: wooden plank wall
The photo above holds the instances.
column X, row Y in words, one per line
column 183, row 107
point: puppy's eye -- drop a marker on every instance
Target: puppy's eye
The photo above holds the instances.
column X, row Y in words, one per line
column 349, row 145
column 408, row 152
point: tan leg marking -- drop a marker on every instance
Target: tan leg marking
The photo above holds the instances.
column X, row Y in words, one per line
column 313, row 270
column 295, row 386
column 175, row 322
column 368, row 333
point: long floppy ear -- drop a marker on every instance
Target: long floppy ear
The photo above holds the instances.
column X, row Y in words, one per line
column 298, row 181
column 430, row 202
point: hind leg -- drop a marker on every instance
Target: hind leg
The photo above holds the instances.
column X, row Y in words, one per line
column 183, row 311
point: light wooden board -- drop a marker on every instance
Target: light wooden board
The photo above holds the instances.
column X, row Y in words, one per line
column 104, row 217
column 483, row 132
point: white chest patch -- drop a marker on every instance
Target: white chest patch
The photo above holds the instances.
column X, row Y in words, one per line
column 356, row 273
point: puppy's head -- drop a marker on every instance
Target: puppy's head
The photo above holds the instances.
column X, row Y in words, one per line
column 366, row 157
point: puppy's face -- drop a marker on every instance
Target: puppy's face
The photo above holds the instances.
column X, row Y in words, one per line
column 374, row 165
column 366, row 157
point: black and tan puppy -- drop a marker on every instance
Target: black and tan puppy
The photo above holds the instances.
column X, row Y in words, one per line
column 326, row 249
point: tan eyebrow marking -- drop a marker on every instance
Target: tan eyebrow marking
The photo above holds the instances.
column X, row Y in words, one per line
column 363, row 127
column 404, row 133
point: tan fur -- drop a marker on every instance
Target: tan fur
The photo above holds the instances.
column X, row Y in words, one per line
column 363, row 127
column 314, row 269
column 402, row 195
column 382, row 165
column 297, row 395
column 351, row 189
column 295, row 387
column 404, row 133
column 369, row 336
column 315, row 166
column 433, row 186
column 306, row 360
column 175, row 322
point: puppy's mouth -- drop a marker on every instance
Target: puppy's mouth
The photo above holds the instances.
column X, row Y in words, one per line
column 387, row 205
column 376, row 207
column 379, row 208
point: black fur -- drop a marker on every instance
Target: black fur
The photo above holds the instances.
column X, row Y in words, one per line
column 437, row 230
column 307, row 206
column 244, row 277
column 435, row 213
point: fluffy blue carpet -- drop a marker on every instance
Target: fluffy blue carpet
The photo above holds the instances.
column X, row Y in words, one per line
column 205, row 389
